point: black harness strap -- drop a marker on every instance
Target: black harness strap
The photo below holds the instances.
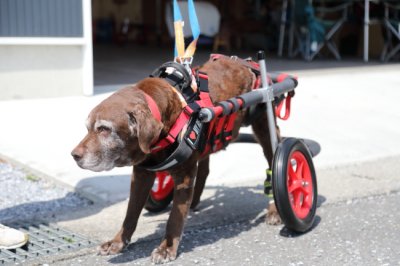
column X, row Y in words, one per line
column 202, row 81
column 179, row 155
column 179, row 77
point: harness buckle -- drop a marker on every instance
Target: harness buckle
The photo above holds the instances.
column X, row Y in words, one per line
column 185, row 61
column 194, row 135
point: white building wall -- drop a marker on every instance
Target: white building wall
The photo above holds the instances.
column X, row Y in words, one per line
column 47, row 66
column 37, row 71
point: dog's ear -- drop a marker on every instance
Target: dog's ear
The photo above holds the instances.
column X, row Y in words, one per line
column 144, row 126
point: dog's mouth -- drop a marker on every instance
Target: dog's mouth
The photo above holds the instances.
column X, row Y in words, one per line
column 97, row 168
column 119, row 164
column 96, row 165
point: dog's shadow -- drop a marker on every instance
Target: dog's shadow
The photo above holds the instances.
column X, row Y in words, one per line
column 242, row 206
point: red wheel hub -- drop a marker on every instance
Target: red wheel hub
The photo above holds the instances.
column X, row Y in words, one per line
column 163, row 185
column 300, row 185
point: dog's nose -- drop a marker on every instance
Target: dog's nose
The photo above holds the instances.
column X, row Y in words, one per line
column 77, row 154
column 77, row 157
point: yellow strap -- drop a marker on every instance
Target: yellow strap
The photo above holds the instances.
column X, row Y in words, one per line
column 180, row 42
column 190, row 49
column 179, row 39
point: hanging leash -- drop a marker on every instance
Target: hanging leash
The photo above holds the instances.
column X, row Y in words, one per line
column 286, row 102
column 182, row 55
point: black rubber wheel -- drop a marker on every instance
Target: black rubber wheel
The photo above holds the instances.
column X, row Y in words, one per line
column 153, row 205
column 161, row 194
column 294, row 185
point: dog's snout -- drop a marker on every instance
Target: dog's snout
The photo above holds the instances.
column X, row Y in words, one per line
column 77, row 153
column 77, row 157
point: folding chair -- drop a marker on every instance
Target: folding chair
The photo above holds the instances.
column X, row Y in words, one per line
column 391, row 22
column 315, row 27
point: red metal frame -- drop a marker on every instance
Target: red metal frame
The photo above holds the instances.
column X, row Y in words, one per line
column 219, row 124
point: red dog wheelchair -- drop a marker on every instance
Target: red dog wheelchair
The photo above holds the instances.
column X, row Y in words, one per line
column 294, row 182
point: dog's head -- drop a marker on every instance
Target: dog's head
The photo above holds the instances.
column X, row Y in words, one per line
column 121, row 131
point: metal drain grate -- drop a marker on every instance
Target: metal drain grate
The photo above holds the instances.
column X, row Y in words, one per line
column 44, row 239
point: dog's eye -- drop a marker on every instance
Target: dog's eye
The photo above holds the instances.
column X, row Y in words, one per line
column 103, row 129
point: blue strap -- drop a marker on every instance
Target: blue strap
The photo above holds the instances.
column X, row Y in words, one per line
column 194, row 23
column 177, row 12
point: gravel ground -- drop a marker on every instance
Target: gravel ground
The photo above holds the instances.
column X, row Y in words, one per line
column 24, row 196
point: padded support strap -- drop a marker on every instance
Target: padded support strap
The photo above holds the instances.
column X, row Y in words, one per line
column 235, row 103
column 181, row 153
column 226, row 107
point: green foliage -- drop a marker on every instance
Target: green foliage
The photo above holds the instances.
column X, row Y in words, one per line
column 68, row 239
column 32, row 178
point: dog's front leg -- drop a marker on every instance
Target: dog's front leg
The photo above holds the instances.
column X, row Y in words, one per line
column 141, row 183
column 183, row 194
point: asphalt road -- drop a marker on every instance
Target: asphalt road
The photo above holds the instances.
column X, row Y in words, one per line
column 363, row 229
column 358, row 232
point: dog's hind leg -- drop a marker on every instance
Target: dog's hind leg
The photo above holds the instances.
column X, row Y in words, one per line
column 141, row 183
column 202, row 172
column 261, row 131
column 184, row 178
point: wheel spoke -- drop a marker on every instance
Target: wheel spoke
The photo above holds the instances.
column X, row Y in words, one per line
column 300, row 169
column 295, row 184
column 296, row 199
column 307, row 190
column 292, row 173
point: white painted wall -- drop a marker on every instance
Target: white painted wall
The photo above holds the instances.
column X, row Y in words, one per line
column 47, row 67
column 40, row 71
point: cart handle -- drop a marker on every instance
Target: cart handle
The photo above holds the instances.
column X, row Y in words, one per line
column 261, row 95
column 288, row 84
column 247, row 99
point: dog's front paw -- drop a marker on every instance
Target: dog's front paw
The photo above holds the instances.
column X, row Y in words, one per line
column 273, row 217
column 163, row 255
column 111, row 247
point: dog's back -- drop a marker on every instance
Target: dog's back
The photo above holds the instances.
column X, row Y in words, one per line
column 227, row 78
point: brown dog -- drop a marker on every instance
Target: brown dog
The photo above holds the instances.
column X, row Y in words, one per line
column 122, row 129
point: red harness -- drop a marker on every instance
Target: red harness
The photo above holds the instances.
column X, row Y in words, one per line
column 219, row 130
column 184, row 116
column 153, row 107
column 217, row 133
